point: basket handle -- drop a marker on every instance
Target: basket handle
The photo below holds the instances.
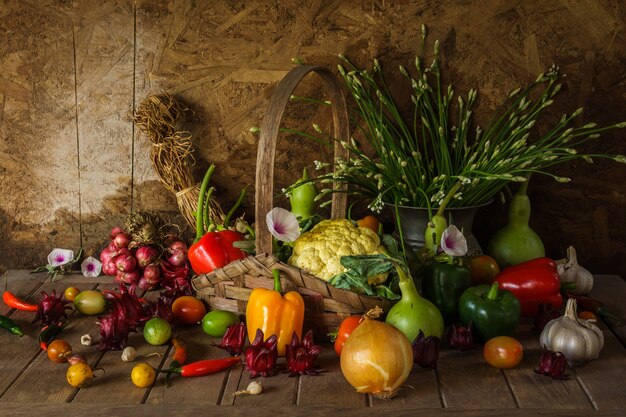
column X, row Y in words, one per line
column 266, row 153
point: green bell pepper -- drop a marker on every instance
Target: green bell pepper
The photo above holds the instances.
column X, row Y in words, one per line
column 443, row 284
column 491, row 311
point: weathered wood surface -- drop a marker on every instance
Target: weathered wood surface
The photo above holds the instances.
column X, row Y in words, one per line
column 73, row 165
column 463, row 384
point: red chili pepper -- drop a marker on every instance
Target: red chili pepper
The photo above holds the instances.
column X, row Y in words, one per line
column 48, row 334
column 533, row 282
column 12, row 301
column 202, row 368
column 180, row 352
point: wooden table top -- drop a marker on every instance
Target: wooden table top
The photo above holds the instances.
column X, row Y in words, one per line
column 463, row 383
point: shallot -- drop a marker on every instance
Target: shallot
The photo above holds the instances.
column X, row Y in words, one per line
column 146, row 255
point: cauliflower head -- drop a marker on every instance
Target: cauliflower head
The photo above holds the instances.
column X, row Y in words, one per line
column 319, row 250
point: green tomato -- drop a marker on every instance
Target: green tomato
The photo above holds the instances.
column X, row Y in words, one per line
column 157, row 331
column 216, row 322
column 90, row 302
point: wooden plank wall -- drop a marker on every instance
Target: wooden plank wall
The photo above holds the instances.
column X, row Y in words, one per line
column 72, row 164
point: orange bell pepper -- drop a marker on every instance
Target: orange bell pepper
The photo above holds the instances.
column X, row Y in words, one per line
column 275, row 313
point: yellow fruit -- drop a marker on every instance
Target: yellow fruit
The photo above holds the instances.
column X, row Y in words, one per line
column 143, row 375
column 79, row 375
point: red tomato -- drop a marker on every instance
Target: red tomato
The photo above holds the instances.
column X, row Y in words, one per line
column 483, row 268
column 59, row 350
column 503, row 352
column 345, row 329
column 188, row 309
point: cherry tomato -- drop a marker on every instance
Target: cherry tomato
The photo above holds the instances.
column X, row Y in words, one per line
column 345, row 330
column 587, row 315
column 188, row 309
column 503, row 352
column 483, row 268
column 371, row 222
column 59, row 350
column 70, row 293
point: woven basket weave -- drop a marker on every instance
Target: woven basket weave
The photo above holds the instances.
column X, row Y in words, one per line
column 229, row 288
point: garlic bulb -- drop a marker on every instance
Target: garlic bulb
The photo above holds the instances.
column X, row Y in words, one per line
column 128, row 354
column 579, row 340
column 571, row 271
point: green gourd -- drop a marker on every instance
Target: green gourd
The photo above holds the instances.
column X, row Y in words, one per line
column 413, row 312
column 516, row 242
column 302, row 198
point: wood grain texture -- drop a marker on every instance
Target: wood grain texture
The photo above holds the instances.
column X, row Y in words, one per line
column 72, row 71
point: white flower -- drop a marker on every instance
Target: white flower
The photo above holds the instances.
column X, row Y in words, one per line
column 60, row 257
column 91, row 267
column 283, row 224
column 453, row 242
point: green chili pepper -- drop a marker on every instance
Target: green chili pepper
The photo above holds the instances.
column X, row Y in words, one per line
column 491, row 311
column 443, row 284
column 11, row 326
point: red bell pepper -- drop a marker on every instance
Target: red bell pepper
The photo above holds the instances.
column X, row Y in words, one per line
column 533, row 282
column 213, row 249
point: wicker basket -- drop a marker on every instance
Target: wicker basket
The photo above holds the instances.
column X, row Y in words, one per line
column 229, row 288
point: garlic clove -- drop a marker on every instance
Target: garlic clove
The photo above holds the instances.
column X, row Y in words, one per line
column 128, row 354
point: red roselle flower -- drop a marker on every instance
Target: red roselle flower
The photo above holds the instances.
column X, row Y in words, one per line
column 261, row 356
column 426, row 350
column 461, row 337
column 545, row 314
column 552, row 364
column 301, row 356
column 234, row 339
column 51, row 308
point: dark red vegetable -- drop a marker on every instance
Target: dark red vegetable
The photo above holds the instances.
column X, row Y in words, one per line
column 234, row 339
column 12, row 301
column 425, row 350
column 301, row 355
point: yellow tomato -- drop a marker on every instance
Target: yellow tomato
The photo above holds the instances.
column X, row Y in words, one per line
column 79, row 375
column 143, row 375
column 71, row 293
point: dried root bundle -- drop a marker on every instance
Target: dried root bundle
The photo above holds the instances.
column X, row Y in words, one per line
column 172, row 153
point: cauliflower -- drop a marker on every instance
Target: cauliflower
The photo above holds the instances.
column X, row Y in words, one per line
column 319, row 250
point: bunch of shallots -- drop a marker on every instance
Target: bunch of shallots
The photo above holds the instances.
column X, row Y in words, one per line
column 147, row 265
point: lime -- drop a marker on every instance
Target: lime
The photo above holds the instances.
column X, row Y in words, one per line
column 157, row 331
column 216, row 322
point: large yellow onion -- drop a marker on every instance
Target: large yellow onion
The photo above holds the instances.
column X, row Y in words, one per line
column 376, row 359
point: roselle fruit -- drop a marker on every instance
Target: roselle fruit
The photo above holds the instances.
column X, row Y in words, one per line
column 234, row 339
column 301, row 356
column 461, row 337
column 261, row 356
column 552, row 364
column 426, row 350
column 51, row 308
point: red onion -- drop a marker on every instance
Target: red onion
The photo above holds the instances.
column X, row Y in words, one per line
column 126, row 263
column 152, row 273
column 106, row 255
column 116, row 231
column 146, row 255
column 177, row 258
column 121, row 240
column 128, row 278
column 145, row 285
column 109, row 268
column 178, row 245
